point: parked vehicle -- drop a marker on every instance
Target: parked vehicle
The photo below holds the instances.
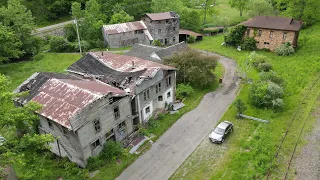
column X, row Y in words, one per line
column 219, row 133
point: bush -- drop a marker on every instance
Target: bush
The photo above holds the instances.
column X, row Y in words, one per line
column 156, row 43
column 241, row 107
column 284, row 50
column 264, row 67
column 249, row 44
column 111, row 151
column 266, row 94
column 191, row 39
column 70, row 32
column 234, row 38
column 60, row 44
column 273, row 77
column 184, row 90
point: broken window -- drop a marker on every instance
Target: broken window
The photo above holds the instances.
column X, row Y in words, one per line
column 96, row 124
column 284, row 36
column 160, row 98
column 148, row 110
column 259, row 33
column 109, row 134
column 122, row 126
column 168, row 81
column 158, row 87
column 50, row 124
column 248, row 32
column 271, row 34
column 168, row 94
column 116, row 112
column 95, row 144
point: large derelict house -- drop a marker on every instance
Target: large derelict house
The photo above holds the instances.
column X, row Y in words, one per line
column 150, row 84
column 163, row 26
column 81, row 113
column 270, row 32
column 126, row 34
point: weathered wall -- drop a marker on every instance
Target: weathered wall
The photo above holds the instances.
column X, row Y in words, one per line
column 169, row 30
column 153, row 102
column 275, row 41
column 66, row 145
column 103, row 111
column 125, row 39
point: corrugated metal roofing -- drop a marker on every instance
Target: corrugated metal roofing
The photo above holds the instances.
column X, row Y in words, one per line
column 273, row 22
column 62, row 99
column 188, row 32
column 124, row 27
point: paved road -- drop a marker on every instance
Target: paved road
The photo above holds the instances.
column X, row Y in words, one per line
column 178, row 142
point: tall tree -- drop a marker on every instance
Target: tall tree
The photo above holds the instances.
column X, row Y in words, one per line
column 190, row 19
column 121, row 17
column 10, row 44
column 241, row 5
column 167, row 5
column 17, row 18
column 207, row 6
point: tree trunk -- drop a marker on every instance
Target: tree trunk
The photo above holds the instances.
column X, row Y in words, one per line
column 240, row 13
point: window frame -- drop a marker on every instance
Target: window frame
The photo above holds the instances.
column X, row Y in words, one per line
column 271, row 35
column 168, row 81
column 169, row 94
column 116, row 114
column 259, row 33
column 147, row 108
column 50, row 124
column 95, row 144
column 97, row 125
column 160, row 98
column 284, row 35
column 123, row 126
column 109, row 134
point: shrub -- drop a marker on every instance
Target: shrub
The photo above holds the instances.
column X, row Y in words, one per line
column 273, row 77
column 59, row 44
column 191, row 39
column 249, row 44
column 156, row 43
column 234, row 38
column 70, row 32
column 264, row 67
column 184, row 90
column 266, row 94
column 284, row 50
column 241, row 107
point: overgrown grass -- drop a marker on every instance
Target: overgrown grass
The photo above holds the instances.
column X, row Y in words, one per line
column 252, row 146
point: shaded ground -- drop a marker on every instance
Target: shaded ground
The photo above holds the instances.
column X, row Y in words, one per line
column 174, row 146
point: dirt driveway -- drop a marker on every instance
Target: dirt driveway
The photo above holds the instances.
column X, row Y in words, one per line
column 178, row 142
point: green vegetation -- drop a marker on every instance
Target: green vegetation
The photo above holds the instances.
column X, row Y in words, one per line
column 252, row 146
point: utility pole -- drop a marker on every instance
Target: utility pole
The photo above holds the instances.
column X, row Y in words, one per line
column 76, row 22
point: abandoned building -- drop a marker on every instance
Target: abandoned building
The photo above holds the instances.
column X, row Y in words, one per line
column 163, row 26
column 185, row 34
column 151, row 84
column 270, row 32
column 126, row 34
column 81, row 113
column 155, row 53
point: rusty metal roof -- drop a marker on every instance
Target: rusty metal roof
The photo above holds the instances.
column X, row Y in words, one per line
column 62, row 99
column 161, row 16
column 125, row 63
column 124, row 27
column 188, row 32
column 273, row 22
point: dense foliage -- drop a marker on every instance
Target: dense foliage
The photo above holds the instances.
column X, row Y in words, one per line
column 249, row 44
column 16, row 26
column 234, row 38
column 193, row 67
column 184, row 90
column 284, row 50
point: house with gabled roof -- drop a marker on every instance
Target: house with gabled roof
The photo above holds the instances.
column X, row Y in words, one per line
column 152, row 85
column 272, row 31
column 126, row 34
column 82, row 114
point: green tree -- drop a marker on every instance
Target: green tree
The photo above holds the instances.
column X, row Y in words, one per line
column 190, row 19
column 241, row 5
column 259, row 8
column 193, row 67
column 241, row 107
column 207, row 7
column 10, row 45
column 24, row 122
column 137, row 8
column 121, row 17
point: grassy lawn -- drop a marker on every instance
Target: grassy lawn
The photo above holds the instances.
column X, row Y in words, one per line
column 226, row 15
column 56, row 167
column 250, row 149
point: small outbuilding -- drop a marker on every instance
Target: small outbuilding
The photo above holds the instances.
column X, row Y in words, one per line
column 184, row 34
